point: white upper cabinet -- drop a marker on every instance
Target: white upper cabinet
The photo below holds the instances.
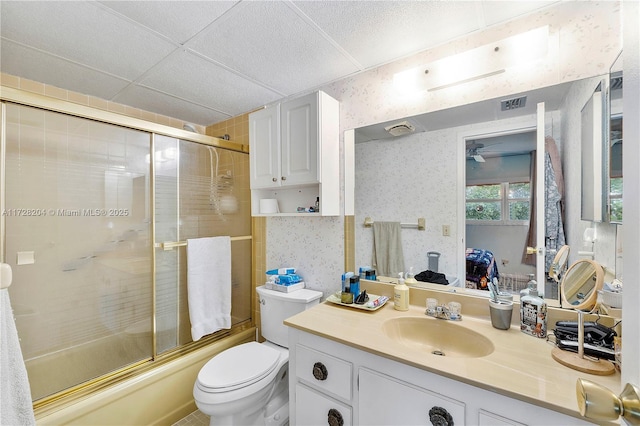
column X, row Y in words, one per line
column 294, row 156
column 299, row 122
column 264, row 147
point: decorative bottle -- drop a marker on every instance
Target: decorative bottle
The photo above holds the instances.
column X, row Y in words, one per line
column 533, row 313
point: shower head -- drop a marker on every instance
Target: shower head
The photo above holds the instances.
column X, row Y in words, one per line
column 189, row 127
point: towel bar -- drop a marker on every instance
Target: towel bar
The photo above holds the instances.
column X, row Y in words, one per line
column 170, row 245
column 368, row 222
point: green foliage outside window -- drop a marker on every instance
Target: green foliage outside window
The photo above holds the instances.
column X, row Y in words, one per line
column 486, row 202
column 615, row 195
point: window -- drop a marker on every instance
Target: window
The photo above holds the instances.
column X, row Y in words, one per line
column 615, row 198
column 507, row 202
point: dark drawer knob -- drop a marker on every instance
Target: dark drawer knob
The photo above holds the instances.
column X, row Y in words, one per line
column 320, row 371
column 334, row 418
column 440, row 417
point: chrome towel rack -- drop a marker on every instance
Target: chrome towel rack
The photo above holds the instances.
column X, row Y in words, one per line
column 368, row 222
column 170, row 245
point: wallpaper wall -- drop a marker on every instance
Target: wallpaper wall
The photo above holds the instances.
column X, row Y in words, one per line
column 585, row 39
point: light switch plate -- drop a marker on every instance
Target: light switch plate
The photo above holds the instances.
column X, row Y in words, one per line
column 446, row 230
column 25, row 258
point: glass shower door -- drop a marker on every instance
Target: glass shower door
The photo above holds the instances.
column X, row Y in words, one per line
column 78, row 230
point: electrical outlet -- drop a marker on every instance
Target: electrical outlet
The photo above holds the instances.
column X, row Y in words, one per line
column 446, row 230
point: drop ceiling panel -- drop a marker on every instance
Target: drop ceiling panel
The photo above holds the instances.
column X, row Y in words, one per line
column 177, row 20
column 377, row 32
column 38, row 66
column 85, row 33
column 270, row 43
column 188, row 76
column 504, row 10
column 160, row 103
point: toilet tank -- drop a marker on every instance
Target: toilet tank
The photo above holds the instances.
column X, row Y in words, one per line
column 276, row 306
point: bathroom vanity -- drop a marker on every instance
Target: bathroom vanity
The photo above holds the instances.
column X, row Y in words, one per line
column 352, row 367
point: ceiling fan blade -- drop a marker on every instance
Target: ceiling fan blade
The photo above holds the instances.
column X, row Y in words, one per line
column 479, row 158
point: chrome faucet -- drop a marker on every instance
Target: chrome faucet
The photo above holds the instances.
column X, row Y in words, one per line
column 440, row 312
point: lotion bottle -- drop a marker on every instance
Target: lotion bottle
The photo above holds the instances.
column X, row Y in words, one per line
column 401, row 295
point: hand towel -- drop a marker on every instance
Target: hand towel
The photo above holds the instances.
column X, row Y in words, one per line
column 15, row 393
column 209, row 285
column 388, row 258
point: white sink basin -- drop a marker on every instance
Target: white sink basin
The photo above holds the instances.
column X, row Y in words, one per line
column 438, row 337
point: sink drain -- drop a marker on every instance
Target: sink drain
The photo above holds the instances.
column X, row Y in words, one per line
column 437, row 352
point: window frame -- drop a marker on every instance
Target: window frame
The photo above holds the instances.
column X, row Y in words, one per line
column 505, row 202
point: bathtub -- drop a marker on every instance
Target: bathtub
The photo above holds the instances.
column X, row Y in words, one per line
column 160, row 396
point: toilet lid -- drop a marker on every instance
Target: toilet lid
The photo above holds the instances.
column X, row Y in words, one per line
column 238, row 367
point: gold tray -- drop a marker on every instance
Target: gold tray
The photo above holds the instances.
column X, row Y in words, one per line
column 335, row 298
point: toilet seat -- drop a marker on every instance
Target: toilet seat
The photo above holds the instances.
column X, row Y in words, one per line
column 238, row 367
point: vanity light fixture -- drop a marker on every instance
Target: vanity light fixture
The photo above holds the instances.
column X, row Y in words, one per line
column 484, row 61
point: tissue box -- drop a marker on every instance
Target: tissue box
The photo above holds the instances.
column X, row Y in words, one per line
column 284, row 288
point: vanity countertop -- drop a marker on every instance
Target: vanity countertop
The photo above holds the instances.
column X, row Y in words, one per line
column 520, row 366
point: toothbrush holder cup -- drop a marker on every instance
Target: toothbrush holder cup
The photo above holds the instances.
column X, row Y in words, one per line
column 501, row 313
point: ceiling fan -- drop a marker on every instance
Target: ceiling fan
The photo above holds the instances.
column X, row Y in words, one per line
column 472, row 152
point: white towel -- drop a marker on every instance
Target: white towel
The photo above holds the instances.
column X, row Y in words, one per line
column 209, row 285
column 387, row 257
column 15, row 393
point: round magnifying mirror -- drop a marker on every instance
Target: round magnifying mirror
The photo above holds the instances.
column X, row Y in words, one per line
column 559, row 264
column 580, row 285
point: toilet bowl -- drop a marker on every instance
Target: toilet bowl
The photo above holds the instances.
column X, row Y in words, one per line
column 248, row 384
column 235, row 386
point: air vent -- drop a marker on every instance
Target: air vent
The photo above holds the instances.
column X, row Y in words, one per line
column 514, row 103
column 400, row 129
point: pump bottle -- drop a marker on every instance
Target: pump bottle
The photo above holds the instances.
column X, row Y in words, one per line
column 401, row 295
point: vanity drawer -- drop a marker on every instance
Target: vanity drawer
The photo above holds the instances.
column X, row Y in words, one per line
column 324, row 371
column 315, row 409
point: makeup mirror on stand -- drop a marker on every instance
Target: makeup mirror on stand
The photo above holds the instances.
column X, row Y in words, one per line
column 559, row 264
column 579, row 290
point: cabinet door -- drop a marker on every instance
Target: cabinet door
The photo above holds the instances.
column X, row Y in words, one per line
column 264, row 150
column 385, row 400
column 316, row 409
column 299, row 140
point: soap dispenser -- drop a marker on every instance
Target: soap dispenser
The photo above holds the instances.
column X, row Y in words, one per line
column 533, row 312
column 401, row 295
column 410, row 280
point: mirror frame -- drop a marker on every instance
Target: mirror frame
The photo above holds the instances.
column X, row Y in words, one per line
column 590, row 301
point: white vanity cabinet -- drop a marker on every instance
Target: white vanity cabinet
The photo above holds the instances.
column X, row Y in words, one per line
column 367, row 389
column 294, row 155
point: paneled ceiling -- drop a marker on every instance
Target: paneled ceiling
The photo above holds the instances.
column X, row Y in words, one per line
column 206, row 61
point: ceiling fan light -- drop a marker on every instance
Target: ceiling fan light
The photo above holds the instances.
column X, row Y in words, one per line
column 479, row 158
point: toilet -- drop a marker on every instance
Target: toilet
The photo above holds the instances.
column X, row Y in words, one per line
column 248, row 384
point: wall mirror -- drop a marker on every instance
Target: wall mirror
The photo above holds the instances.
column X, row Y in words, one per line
column 614, row 185
column 593, row 154
column 423, row 173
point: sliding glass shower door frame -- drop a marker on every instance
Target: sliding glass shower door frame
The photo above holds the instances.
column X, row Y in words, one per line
column 14, row 96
